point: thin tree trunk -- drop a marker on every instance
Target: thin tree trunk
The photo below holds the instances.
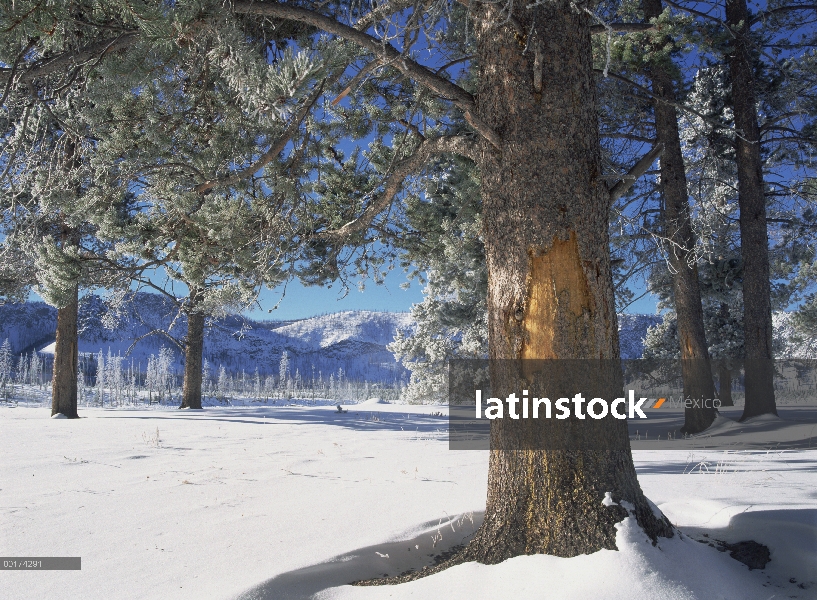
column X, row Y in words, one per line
column 697, row 373
column 66, row 359
column 550, row 291
column 193, row 352
column 725, row 383
column 725, row 370
column 754, row 240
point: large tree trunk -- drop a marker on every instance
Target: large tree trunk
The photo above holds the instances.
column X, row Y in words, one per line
column 754, row 240
column 66, row 359
column 193, row 352
column 697, row 374
column 550, row 290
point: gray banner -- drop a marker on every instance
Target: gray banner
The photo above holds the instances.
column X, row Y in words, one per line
column 40, row 563
column 500, row 399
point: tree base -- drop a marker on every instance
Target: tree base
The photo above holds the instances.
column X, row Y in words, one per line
column 67, row 416
column 697, row 420
column 475, row 551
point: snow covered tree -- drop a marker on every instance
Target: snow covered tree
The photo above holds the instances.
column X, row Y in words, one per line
column 783, row 78
column 44, row 148
column 160, row 376
column 283, row 370
column 771, row 101
column 224, row 384
column 6, row 367
column 452, row 320
column 676, row 223
column 206, row 379
column 180, row 138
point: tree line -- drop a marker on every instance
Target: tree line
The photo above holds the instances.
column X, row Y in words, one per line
column 113, row 380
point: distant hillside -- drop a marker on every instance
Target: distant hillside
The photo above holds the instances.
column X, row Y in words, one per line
column 354, row 341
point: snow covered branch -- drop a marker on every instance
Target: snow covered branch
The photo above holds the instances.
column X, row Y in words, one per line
column 626, row 182
column 384, row 51
column 275, row 148
column 94, row 51
column 411, row 164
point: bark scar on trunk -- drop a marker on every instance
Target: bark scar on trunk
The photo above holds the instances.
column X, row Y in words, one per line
column 558, row 297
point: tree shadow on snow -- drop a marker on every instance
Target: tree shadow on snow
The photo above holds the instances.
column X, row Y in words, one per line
column 436, row 538
column 356, row 418
column 789, row 533
column 726, row 465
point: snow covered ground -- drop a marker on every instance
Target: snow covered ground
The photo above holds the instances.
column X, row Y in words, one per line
column 290, row 501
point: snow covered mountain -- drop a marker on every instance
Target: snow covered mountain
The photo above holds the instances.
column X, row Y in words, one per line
column 354, row 341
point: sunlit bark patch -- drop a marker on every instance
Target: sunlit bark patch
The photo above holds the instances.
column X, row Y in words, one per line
column 558, row 297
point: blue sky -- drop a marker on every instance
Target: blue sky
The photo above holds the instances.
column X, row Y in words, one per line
column 300, row 302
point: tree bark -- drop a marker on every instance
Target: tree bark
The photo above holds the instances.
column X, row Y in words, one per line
column 550, row 291
column 754, row 240
column 193, row 352
column 725, row 383
column 696, row 370
column 66, row 359
column 725, row 369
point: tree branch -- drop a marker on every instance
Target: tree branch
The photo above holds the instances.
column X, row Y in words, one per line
column 767, row 13
column 382, row 11
column 454, row 145
column 622, row 28
column 96, row 50
column 629, row 136
column 155, row 332
column 13, row 71
column 367, row 68
column 641, row 167
column 274, row 150
column 380, row 48
column 694, row 12
column 677, row 105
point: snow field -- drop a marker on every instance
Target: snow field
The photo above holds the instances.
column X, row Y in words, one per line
column 253, row 502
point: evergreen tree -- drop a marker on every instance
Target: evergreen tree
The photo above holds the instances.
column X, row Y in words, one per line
column 6, row 366
column 49, row 242
column 771, row 100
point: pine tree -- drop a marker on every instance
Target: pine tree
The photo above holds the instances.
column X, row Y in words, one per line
column 202, row 215
column 783, row 85
column 283, row 370
column 49, row 242
column 770, row 81
column 164, row 148
column 6, row 366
